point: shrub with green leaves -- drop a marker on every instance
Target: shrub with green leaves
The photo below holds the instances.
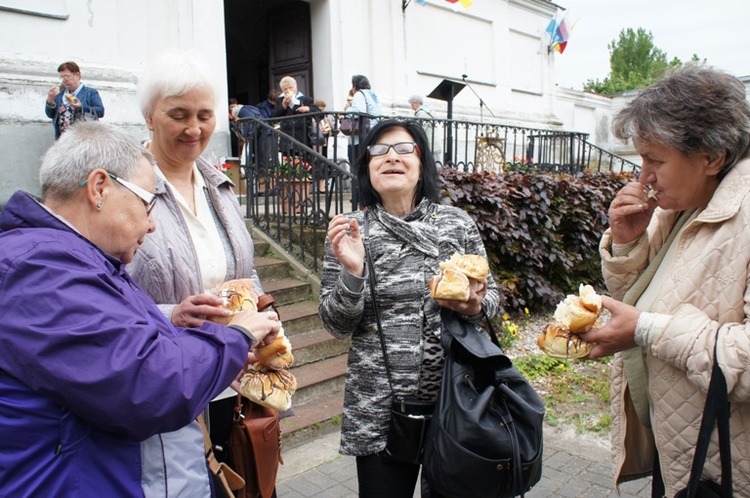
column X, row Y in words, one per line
column 541, row 230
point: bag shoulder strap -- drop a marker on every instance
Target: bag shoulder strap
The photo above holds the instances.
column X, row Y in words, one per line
column 716, row 410
column 371, row 279
column 265, row 301
column 225, row 473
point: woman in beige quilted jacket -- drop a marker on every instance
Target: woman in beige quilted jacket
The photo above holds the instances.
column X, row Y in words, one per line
column 676, row 260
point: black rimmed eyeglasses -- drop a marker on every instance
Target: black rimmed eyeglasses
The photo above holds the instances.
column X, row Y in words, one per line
column 400, row 148
column 147, row 197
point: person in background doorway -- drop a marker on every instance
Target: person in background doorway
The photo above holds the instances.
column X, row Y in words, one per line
column 266, row 107
column 72, row 100
column 265, row 135
column 292, row 102
column 322, row 130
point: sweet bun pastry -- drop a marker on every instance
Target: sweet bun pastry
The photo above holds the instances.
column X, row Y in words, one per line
column 560, row 343
column 471, row 265
column 71, row 98
column 270, row 388
column 458, row 276
column 575, row 314
column 238, row 295
column 277, row 355
column 450, row 284
column 579, row 313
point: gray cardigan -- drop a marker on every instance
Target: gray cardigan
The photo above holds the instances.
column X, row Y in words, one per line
column 166, row 265
column 406, row 252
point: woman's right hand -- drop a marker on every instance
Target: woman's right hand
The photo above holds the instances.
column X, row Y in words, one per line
column 346, row 244
column 264, row 325
column 52, row 94
column 630, row 213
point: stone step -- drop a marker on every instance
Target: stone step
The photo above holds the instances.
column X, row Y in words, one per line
column 319, row 379
column 271, row 269
column 260, row 248
column 287, row 290
column 299, row 318
column 310, row 347
column 316, row 418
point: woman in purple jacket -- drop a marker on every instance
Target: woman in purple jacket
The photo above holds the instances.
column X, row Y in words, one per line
column 89, row 365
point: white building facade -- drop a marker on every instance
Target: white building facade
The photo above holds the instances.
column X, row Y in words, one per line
column 403, row 49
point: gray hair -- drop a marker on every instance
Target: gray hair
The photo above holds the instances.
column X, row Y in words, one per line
column 694, row 108
column 171, row 74
column 416, row 99
column 84, row 147
column 287, row 81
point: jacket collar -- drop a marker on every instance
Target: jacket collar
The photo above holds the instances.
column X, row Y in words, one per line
column 727, row 200
column 23, row 210
column 211, row 176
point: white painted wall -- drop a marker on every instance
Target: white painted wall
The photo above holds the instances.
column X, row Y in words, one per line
column 498, row 44
column 112, row 41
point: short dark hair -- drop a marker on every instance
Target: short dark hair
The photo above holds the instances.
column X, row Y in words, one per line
column 428, row 177
column 360, row 82
column 70, row 66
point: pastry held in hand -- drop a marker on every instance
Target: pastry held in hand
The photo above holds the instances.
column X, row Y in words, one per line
column 579, row 313
column 559, row 343
column 574, row 314
column 450, row 284
column 458, row 276
column 270, row 388
column 276, row 355
column 472, row 265
column 238, row 295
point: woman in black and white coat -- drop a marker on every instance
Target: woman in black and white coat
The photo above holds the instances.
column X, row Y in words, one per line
column 409, row 235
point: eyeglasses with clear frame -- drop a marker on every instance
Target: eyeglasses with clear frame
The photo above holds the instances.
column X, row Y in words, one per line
column 147, row 197
column 401, row 148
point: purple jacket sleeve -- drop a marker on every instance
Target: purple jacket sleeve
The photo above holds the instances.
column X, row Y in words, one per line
column 84, row 334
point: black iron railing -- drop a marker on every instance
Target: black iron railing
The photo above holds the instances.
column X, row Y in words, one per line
column 298, row 168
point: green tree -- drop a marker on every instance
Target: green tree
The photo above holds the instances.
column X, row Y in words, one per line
column 634, row 62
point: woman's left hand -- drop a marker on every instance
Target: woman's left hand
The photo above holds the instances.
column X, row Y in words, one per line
column 472, row 307
column 619, row 332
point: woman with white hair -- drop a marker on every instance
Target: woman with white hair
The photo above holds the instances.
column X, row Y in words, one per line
column 202, row 241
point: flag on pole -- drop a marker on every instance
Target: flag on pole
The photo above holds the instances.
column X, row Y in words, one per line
column 557, row 32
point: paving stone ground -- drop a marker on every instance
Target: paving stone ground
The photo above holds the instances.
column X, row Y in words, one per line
column 574, row 466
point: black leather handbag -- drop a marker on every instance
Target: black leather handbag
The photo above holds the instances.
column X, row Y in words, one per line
column 485, row 438
column 716, row 410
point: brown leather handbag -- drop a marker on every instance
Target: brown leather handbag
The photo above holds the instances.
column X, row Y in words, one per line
column 255, row 448
column 255, row 440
